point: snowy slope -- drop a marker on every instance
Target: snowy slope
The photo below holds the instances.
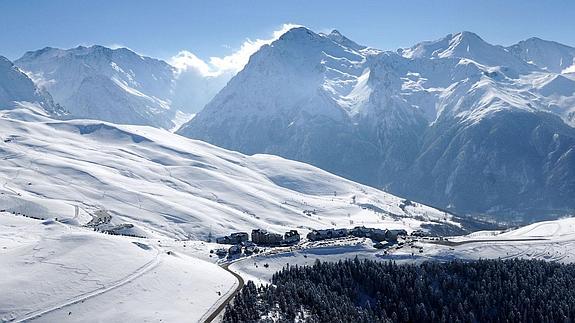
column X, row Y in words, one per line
column 548, row 240
column 52, row 272
column 114, row 85
column 15, row 86
column 399, row 120
column 168, row 185
column 548, row 55
column 121, row 86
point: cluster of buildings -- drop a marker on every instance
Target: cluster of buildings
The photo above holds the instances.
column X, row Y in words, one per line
column 240, row 241
column 234, row 238
column 360, row 232
column 265, row 238
column 260, row 237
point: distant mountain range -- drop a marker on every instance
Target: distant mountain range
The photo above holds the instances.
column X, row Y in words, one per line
column 118, row 85
column 457, row 122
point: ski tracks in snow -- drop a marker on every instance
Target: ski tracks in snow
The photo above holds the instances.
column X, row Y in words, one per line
column 84, row 296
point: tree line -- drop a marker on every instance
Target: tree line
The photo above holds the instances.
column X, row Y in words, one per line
column 356, row 290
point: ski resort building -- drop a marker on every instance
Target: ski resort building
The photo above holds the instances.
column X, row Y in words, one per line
column 264, row 237
column 234, row 238
column 291, row 237
column 360, row 232
column 316, row 235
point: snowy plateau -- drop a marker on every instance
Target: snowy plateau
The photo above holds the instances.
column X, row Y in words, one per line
column 107, row 214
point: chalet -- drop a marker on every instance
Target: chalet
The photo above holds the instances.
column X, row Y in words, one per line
column 360, row 232
column 266, row 238
column 399, row 232
column 379, row 235
column 239, row 237
column 291, row 237
column 223, row 240
column 248, row 244
column 382, row 245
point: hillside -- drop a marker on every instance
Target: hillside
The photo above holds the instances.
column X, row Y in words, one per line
column 16, row 86
column 56, row 272
column 168, row 185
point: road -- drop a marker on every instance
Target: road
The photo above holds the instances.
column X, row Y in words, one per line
column 222, row 306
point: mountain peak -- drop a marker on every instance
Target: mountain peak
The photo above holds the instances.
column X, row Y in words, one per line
column 335, row 32
column 466, row 45
column 548, row 55
column 339, row 38
column 16, row 86
column 459, row 44
column 466, row 36
column 536, row 41
column 97, row 82
column 297, row 33
column 4, row 62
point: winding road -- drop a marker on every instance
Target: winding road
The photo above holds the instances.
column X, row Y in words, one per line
column 217, row 311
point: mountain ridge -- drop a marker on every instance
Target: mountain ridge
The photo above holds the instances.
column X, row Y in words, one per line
column 386, row 110
column 16, row 86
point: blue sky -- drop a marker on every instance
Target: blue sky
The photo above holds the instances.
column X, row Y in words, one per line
column 218, row 28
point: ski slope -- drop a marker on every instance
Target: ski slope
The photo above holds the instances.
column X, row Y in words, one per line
column 55, row 271
column 170, row 186
column 548, row 240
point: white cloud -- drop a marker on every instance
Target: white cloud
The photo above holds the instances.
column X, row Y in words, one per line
column 233, row 63
column 116, row 46
column 186, row 61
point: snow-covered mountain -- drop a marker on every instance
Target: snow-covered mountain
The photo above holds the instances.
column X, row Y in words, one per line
column 96, row 82
column 548, row 55
column 119, row 85
column 168, row 185
column 455, row 122
column 15, row 87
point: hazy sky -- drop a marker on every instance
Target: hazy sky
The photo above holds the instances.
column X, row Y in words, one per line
column 219, row 28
